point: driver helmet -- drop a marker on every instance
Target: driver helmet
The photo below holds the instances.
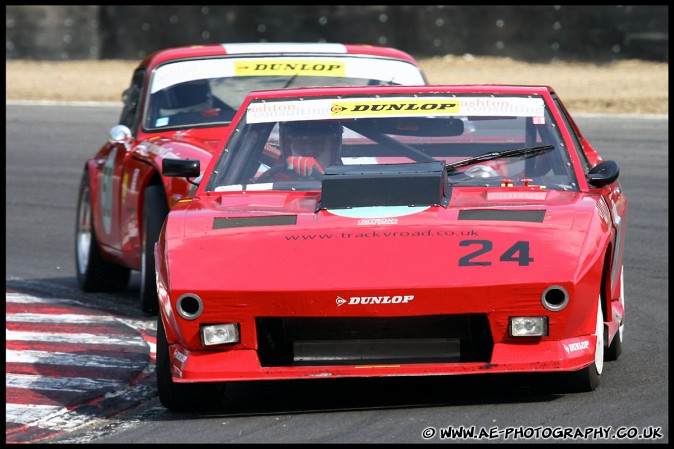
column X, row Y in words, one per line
column 191, row 96
column 318, row 139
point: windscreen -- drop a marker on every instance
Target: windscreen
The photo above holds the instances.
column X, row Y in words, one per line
column 288, row 144
column 208, row 92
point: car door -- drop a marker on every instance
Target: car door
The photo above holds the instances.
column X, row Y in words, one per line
column 111, row 164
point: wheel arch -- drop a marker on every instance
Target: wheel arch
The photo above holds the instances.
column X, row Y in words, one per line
column 606, row 298
column 154, row 178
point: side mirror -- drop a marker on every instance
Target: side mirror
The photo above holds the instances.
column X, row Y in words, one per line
column 120, row 134
column 185, row 168
column 603, row 174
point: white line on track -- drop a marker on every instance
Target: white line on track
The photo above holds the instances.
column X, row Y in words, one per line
column 139, row 324
column 62, row 318
column 72, row 384
column 71, row 359
column 73, row 338
column 29, row 413
column 22, row 298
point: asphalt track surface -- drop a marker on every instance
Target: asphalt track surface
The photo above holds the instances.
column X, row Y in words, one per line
column 89, row 377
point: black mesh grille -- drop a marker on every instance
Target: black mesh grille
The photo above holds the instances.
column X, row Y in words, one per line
column 285, row 341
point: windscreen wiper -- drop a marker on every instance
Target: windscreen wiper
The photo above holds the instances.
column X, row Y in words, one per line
column 499, row 154
column 290, row 81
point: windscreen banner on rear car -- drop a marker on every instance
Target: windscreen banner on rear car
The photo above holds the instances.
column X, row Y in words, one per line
column 353, row 108
column 384, row 70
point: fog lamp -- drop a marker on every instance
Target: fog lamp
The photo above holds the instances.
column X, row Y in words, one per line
column 219, row 334
column 528, row 326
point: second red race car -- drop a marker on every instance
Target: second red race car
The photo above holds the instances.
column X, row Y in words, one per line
column 179, row 105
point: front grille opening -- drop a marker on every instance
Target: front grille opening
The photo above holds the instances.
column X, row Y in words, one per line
column 286, row 341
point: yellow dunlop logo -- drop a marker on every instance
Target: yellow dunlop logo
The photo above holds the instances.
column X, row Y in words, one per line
column 394, row 107
column 285, row 67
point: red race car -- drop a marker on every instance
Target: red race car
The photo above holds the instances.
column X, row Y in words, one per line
column 179, row 104
column 391, row 231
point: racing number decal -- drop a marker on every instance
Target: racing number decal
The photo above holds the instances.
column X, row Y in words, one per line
column 519, row 253
column 466, row 261
column 106, row 191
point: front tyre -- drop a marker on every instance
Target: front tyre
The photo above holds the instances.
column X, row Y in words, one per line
column 179, row 397
column 94, row 274
column 155, row 211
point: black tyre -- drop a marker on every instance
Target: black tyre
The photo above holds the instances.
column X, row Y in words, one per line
column 587, row 379
column 179, row 397
column 155, row 211
column 616, row 348
column 94, row 274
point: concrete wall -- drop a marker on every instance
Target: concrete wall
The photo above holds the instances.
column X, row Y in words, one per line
column 530, row 33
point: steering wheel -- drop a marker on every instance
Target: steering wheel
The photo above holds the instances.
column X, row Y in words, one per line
column 266, row 176
column 481, row 171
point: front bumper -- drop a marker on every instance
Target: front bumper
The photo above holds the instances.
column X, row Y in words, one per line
column 244, row 364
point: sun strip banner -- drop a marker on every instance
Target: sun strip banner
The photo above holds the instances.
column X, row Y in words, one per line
column 183, row 71
column 282, row 47
column 384, row 70
column 320, row 109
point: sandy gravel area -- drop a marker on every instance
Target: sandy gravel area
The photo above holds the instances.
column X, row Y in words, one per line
column 625, row 87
